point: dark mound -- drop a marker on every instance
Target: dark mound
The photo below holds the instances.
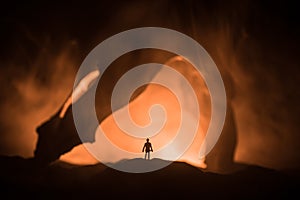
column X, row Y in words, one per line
column 22, row 178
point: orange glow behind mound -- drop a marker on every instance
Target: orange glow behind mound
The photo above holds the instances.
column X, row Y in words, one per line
column 139, row 113
column 79, row 155
column 156, row 94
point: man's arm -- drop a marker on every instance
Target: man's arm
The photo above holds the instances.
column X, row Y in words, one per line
column 143, row 148
column 151, row 147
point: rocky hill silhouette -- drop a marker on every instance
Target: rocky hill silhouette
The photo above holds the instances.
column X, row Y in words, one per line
column 21, row 177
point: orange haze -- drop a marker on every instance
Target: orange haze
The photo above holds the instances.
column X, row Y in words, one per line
column 156, row 94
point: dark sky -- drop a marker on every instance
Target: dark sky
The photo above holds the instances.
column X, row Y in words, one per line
column 257, row 43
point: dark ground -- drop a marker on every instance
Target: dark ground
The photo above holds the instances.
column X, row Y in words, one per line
column 21, row 179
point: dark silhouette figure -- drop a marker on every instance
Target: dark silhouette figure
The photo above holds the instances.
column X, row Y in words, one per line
column 148, row 148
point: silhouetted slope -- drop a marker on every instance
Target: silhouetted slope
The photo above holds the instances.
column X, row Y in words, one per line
column 20, row 178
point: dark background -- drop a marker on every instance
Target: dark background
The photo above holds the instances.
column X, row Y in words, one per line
column 256, row 42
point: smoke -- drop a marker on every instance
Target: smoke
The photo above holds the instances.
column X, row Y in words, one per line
column 260, row 77
column 254, row 44
column 32, row 93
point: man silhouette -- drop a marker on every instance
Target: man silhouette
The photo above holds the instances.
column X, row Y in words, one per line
column 148, row 148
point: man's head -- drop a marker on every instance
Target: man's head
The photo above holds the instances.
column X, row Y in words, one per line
column 147, row 139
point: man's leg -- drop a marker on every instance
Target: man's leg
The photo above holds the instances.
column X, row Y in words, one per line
column 149, row 155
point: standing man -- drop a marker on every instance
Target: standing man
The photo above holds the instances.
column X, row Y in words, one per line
column 148, row 148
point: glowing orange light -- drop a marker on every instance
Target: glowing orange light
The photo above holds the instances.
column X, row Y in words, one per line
column 155, row 94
